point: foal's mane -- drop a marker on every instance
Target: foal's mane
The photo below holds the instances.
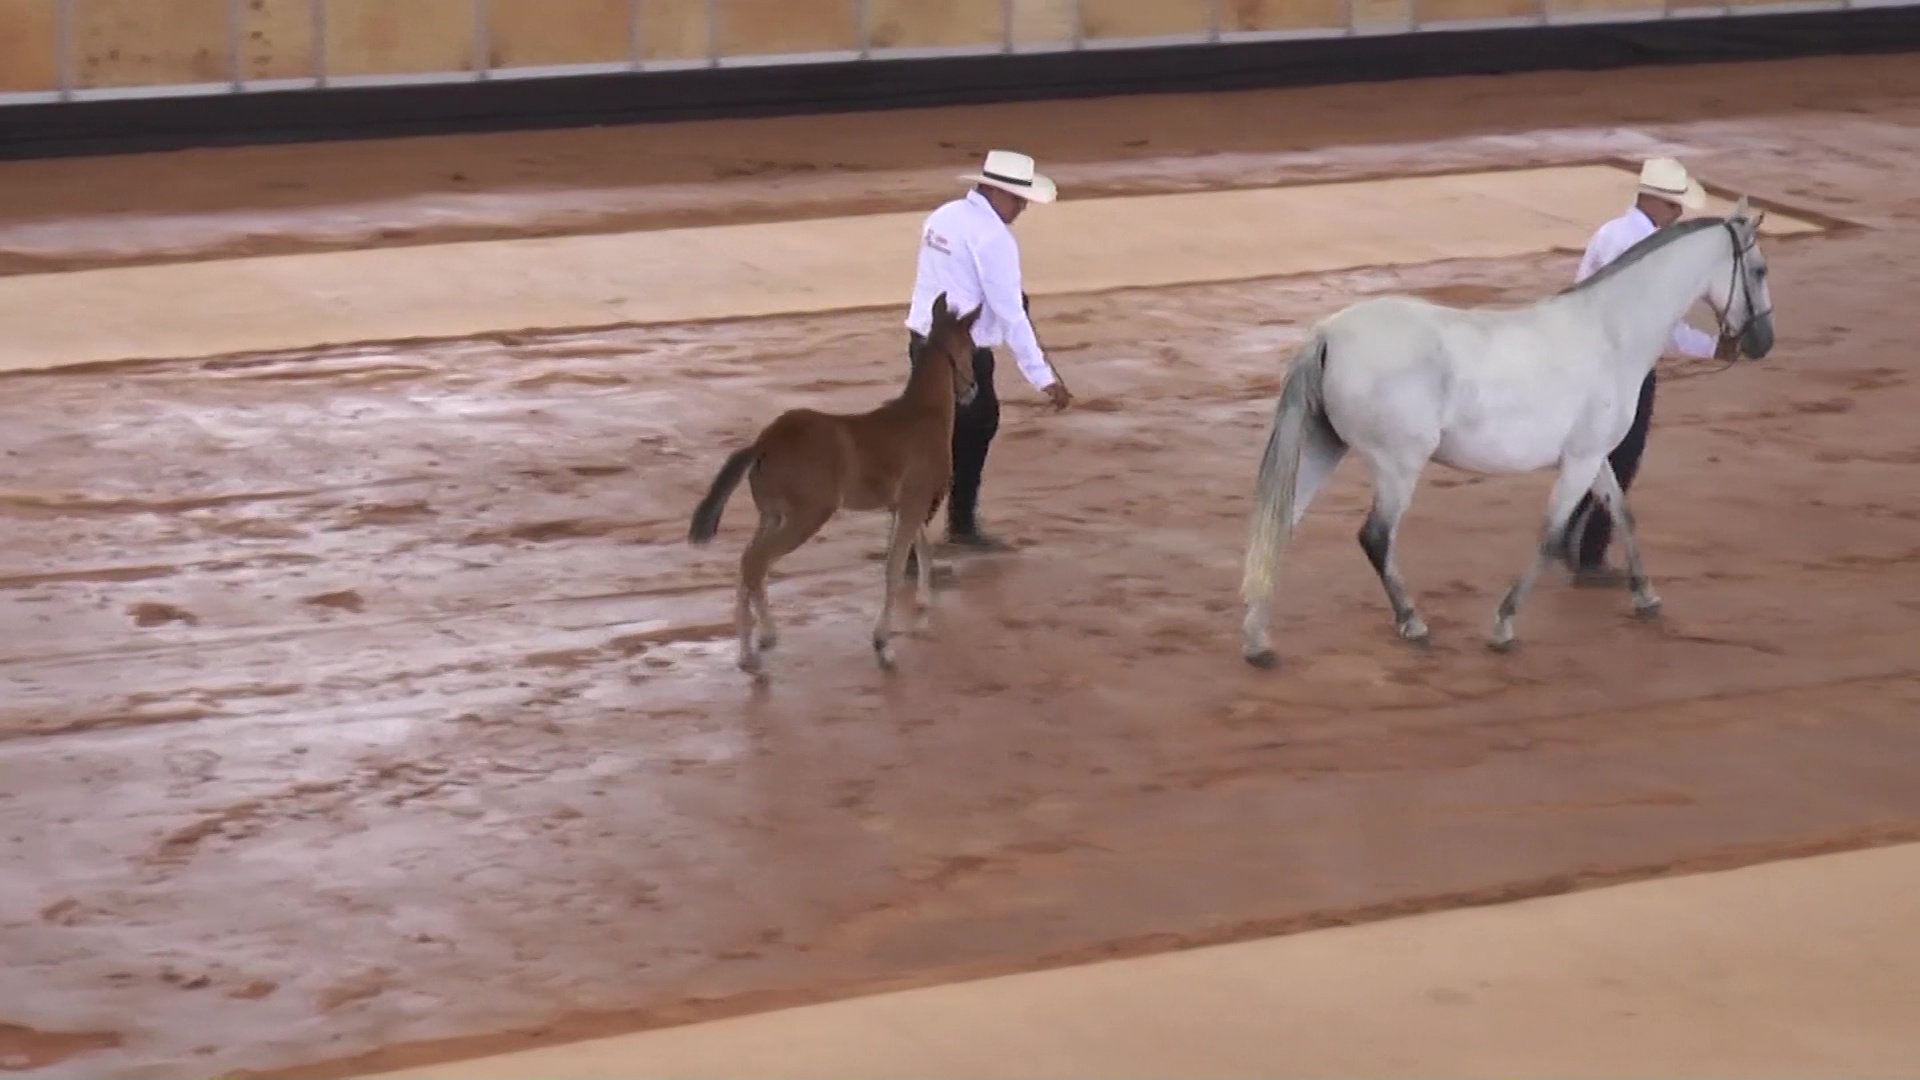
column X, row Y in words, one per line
column 1646, row 246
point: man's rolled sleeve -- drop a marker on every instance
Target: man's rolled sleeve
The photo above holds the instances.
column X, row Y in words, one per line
column 999, row 266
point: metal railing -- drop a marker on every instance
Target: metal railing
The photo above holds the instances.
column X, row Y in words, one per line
column 71, row 86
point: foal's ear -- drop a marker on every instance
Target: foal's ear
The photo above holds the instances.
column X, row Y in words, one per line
column 967, row 320
column 940, row 308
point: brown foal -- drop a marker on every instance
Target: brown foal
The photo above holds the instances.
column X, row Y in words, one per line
column 807, row 465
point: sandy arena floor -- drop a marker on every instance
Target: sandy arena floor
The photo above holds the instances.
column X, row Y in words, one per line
column 364, row 707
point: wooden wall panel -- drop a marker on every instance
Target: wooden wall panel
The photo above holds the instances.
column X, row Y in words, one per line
column 1439, row 11
column 29, row 43
column 673, row 29
column 1043, row 22
column 765, row 27
column 1380, row 15
column 398, row 37
column 1144, row 18
column 276, row 39
column 1580, row 7
column 927, row 24
column 536, row 33
column 149, row 43
column 1283, row 14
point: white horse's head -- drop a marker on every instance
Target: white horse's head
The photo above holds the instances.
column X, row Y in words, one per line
column 1741, row 296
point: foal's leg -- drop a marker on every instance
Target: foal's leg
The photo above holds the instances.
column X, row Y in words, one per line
column 1576, row 476
column 751, row 593
column 1606, row 488
column 774, row 541
column 1393, row 486
column 923, row 595
column 901, row 538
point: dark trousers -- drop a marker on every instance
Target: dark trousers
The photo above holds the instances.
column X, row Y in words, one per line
column 974, row 425
column 1590, row 545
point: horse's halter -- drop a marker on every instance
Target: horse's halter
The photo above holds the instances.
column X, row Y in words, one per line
column 1742, row 280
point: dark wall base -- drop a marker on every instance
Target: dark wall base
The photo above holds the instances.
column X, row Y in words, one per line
column 102, row 127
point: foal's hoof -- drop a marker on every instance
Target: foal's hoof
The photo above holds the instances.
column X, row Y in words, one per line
column 1265, row 659
column 883, row 654
column 750, row 663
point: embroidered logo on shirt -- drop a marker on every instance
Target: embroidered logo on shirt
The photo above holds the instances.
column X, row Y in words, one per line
column 937, row 242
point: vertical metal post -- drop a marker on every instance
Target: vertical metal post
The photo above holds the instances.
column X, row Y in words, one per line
column 1007, row 17
column 481, row 59
column 636, row 34
column 863, row 34
column 319, row 30
column 1079, row 24
column 1214, row 13
column 713, row 32
column 63, row 43
column 236, row 12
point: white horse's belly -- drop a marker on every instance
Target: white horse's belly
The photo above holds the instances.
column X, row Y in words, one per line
column 1507, row 446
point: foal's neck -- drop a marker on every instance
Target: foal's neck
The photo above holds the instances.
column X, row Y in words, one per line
column 930, row 385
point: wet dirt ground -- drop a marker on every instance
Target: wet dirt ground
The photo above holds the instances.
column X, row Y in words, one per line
column 365, row 706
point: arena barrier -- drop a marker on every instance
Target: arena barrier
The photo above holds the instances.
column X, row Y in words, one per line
column 94, row 76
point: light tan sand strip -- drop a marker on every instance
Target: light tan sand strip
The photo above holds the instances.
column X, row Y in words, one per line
column 1802, row 968
column 793, row 267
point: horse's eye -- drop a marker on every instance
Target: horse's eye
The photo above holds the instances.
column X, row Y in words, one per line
column 1760, row 272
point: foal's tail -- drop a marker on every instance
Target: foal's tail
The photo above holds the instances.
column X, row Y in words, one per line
column 706, row 516
column 1301, row 408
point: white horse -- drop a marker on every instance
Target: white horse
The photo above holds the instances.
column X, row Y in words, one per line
column 1402, row 381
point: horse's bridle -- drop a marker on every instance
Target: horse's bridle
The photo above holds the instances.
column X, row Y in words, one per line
column 1741, row 249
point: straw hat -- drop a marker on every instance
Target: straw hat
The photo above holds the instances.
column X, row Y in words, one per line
column 1013, row 173
column 1665, row 178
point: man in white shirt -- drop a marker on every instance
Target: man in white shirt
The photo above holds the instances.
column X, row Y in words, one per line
column 967, row 251
column 1665, row 192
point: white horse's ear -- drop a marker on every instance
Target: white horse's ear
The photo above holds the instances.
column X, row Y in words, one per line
column 1740, row 208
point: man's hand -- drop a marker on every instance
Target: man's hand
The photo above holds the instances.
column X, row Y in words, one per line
column 1058, row 394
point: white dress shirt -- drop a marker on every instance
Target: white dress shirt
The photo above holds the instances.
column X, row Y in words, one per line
column 1615, row 237
column 967, row 252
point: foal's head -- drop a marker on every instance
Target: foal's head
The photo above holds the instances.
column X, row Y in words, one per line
column 950, row 341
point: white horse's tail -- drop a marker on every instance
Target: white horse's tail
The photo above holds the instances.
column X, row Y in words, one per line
column 1302, row 408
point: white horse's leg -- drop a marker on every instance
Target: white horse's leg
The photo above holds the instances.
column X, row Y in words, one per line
column 1393, row 486
column 1576, row 476
column 1606, row 488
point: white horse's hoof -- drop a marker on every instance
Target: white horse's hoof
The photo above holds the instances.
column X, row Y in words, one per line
column 768, row 641
column 750, row 663
column 1501, row 644
column 1264, row 659
column 883, row 654
column 1414, row 632
column 1646, row 607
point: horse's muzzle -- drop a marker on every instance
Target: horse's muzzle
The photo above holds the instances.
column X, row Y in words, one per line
column 965, row 397
column 1756, row 340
